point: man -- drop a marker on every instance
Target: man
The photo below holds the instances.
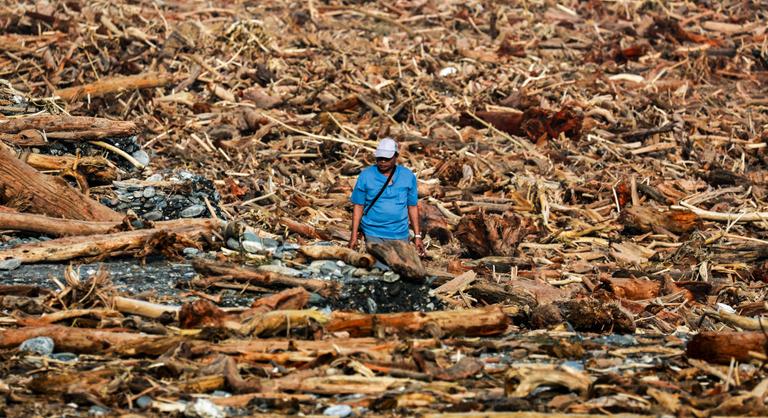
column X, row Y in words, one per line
column 385, row 199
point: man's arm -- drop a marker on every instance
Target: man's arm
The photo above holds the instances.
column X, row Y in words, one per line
column 357, row 215
column 413, row 215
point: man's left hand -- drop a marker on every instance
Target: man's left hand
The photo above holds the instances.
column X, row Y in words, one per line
column 420, row 246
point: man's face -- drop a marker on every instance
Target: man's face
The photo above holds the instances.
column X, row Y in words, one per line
column 386, row 164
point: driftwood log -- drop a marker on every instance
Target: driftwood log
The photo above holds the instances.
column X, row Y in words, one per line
column 114, row 85
column 23, row 188
column 73, row 128
column 139, row 242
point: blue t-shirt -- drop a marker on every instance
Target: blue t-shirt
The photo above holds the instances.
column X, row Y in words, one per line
column 388, row 218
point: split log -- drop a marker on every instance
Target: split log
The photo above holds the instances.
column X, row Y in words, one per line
column 470, row 322
column 401, row 257
column 264, row 278
column 140, row 242
column 73, row 128
column 484, row 235
column 723, row 346
column 114, row 85
column 640, row 219
column 22, row 187
column 328, row 252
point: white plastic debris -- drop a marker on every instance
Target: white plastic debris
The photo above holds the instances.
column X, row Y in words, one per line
column 445, row 72
column 722, row 307
column 203, row 408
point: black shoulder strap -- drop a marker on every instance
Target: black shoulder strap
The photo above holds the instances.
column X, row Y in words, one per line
column 373, row 202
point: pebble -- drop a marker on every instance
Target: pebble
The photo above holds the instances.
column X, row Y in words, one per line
column 192, row 211
column 10, row 264
column 142, row 157
column 203, row 408
column 98, row 410
column 42, row 346
column 371, row 305
column 149, row 192
column 338, row 410
column 390, row 277
column 155, row 215
column 279, row 269
column 253, row 247
column 190, row 251
column 232, row 244
column 291, row 246
column 65, row 356
column 143, row 402
column 155, row 178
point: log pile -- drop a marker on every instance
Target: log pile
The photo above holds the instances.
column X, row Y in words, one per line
column 592, row 181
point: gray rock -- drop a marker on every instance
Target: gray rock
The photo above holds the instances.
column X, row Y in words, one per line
column 221, row 393
column 291, row 246
column 279, row 269
column 253, row 247
column 372, row 307
column 137, row 194
column 10, row 264
column 390, row 277
column 42, row 346
column 98, row 410
column 155, row 215
column 250, row 236
column 192, row 211
column 190, row 251
column 155, row 177
column 338, row 411
column 149, row 192
column 143, row 402
column 67, row 357
column 315, row 299
column 232, row 244
column 142, row 157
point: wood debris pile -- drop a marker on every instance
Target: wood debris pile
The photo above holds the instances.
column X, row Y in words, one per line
column 592, row 181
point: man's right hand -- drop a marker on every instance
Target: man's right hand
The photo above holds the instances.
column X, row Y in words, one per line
column 353, row 243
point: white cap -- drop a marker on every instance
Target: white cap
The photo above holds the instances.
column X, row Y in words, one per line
column 386, row 149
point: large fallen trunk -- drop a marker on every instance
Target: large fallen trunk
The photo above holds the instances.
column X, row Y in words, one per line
column 140, row 242
column 483, row 235
column 24, row 188
column 91, row 341
column 114, row 85
column 74, row 128
column 470, row 322
column 42, row 224
column 724, row 346
column 263, row 278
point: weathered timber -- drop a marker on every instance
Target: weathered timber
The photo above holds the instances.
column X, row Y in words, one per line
column 75, row 128
column 114, row 85
column 723, row 346
column 471, row 322
column 22, row 187
column 264, row 278
column 110, row 245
